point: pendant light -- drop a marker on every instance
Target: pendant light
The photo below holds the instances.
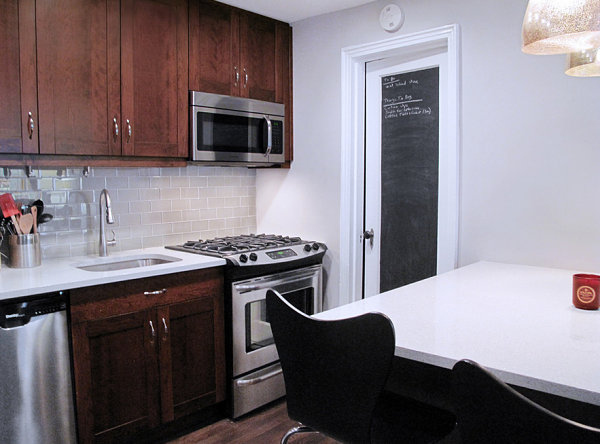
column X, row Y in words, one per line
column 561, row 26
column 584, row 63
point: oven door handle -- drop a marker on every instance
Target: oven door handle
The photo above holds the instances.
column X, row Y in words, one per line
column 274, row 281
column 246, row 382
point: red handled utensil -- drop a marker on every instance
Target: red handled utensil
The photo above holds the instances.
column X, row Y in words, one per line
column 9, row 209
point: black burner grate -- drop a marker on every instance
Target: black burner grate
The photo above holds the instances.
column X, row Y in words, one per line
column 225, row 246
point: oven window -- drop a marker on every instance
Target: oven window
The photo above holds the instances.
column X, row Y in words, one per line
column 258, row 329
column 231, row 134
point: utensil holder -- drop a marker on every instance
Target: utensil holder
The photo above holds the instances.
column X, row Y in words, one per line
column 24, row 250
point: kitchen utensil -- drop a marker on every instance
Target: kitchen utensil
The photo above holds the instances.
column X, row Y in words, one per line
column 45, row 218
column 34, row 213
column 9, row 209
column 40, row 207
column 26, row 223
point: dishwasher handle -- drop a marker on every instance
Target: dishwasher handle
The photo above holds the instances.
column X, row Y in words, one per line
column 13, row 320
column 19, row 314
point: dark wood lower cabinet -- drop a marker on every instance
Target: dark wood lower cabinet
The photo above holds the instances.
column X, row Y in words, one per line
column 143, row 360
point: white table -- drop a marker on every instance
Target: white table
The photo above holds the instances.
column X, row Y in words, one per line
column 517, row 321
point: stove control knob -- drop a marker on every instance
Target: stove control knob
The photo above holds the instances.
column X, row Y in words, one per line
column 307, row 248
column 315, row 246
column 243, row 258
column 253, row 256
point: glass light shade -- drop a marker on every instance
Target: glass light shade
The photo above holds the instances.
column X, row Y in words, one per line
column 584, row 63
column 561, row 26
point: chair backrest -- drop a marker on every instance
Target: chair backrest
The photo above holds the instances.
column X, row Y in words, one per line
column 489, row 411
column 334, row 371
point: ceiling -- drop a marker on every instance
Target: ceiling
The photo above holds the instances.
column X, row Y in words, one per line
column 293, row 10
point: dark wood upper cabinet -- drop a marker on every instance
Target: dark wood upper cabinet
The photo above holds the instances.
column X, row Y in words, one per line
column 258, row 57
column 94, row 77
column 10, row 79
column 154, row 77
column 77, row 63
column 214, row 48
column 235, row 52
column 17, row 27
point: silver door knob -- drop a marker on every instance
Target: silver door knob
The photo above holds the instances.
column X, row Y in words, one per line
column 369, row 235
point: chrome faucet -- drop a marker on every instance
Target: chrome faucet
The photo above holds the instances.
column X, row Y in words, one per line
column 103, row 244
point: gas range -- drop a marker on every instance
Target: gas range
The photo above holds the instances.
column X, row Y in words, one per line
column 255, row 264
column 256, row 250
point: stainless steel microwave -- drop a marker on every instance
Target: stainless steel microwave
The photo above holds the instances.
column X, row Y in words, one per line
column 235, row 130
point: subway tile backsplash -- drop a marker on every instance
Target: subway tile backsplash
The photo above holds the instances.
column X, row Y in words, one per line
column 152, row 206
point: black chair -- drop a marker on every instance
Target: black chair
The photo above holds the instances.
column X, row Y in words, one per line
column 491, row 412
column 335, row 373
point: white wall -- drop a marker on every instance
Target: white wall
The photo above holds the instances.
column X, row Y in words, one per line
column 530, row 151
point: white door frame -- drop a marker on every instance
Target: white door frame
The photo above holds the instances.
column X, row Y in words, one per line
column 353, row 144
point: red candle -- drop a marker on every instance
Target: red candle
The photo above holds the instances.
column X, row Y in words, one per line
column 586, row 289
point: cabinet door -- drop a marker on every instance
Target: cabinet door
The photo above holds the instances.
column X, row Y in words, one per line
column 191, row 356
column 77, row 72
column 154, row 83
column 258, row 57
column 16, row 20
column 214, row 48
column 116, row 377
column 284, row 82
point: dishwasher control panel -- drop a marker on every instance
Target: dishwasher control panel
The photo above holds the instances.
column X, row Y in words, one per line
column 16, row 314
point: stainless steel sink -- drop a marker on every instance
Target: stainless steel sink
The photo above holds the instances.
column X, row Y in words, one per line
column 125, row 262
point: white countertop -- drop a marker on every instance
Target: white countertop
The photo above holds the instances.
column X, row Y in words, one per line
column 61, row 273
column 518, row 321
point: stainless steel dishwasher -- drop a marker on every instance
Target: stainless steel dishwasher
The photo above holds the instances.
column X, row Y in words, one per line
column 36, row 396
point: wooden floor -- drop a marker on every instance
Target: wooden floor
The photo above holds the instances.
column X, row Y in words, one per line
column 264, row 427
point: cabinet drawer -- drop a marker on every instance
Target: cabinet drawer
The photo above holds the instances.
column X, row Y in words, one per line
column 102, row 301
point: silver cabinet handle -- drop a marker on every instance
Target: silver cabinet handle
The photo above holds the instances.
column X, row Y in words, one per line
column 30, row 125
column 166, row 329
column 269, row 136
column 237, row 75
column 129, row 130
column 245, row 382
column 150, row 293
column 152, row 332
column 115, row 129
column 245, row 78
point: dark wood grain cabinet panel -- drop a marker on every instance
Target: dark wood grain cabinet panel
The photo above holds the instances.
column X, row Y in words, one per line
column 77, row 62
column 10, row 79
column 116, row 361
column 142, row 360
column 154, row 72
column 214, row 48
column 258, row 57
column 17, row 76
column 188, row 364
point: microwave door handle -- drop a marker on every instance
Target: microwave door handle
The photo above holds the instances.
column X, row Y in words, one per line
column 269, row 136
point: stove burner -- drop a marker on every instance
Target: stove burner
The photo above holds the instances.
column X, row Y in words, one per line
column 225, row 246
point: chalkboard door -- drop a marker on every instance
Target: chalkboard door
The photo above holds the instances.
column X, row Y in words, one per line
column 402, row 171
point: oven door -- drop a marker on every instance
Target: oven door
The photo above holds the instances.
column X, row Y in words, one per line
column 236, row 136
column 253, row 344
